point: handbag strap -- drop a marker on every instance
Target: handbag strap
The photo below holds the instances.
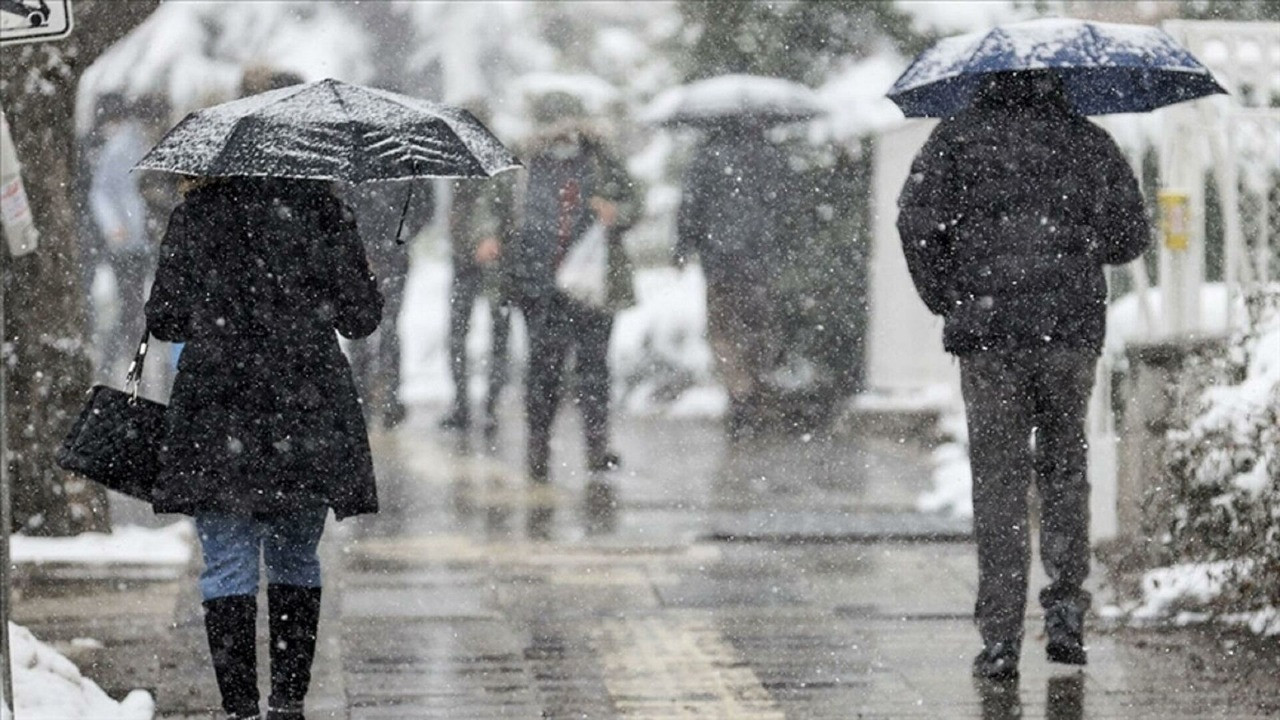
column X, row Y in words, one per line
column 134, row 374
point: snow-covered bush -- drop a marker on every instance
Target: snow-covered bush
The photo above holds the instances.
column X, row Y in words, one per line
column 1222, row 460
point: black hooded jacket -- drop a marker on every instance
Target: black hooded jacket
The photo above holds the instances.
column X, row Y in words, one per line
column 1010, row 211
column 254, row 276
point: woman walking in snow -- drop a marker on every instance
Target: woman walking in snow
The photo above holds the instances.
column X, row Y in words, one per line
column 264, row 429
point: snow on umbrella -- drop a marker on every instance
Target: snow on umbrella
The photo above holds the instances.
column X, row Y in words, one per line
column 1105, row 67
column 767, row 100
column 330, row 130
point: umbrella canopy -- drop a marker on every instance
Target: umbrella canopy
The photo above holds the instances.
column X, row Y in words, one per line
column 765, row 100
column 1105, row 67
column 330, row 130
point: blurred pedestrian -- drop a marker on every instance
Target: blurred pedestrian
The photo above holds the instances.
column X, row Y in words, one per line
column 481, row 222
column 119, row 213
column 574, row 184
column 734, row 209
column 388, row 214
column 264, row 430
column 1011, row 210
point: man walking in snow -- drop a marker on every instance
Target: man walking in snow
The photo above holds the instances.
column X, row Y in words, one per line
column 574, row 185
column 1011, row 210
column 481, row 221
column 734, row 205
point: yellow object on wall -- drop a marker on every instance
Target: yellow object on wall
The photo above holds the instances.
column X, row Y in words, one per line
column 1175, row 218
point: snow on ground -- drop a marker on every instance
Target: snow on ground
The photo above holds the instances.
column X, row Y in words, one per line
column 131, row 545
column 1179, row 593
column 952, row 482
column 937, row 396
column 952, row 491
column 47, row 686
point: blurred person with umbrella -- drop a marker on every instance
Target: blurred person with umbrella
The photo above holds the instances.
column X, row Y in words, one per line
column 260, row 264
column 576, row 193
column 481, row 225
column 380, row 208
column 737, row 196
column 1011, row 210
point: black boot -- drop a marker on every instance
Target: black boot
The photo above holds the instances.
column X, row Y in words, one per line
column 230, row 623
column 1064, row 626
column 295, row 613
column 997, row 661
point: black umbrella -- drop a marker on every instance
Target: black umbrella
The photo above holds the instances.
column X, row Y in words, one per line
column 330, row 130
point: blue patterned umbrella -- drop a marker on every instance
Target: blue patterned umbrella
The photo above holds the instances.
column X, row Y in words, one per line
column 1105, row 67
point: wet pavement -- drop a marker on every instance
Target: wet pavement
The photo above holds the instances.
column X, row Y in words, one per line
column 784, row 578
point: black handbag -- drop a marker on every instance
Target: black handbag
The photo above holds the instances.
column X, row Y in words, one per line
column 116, row 439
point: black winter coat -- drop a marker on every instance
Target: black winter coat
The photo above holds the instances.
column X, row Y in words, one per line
column 254, row 276
column 557, row 214
column 1010, row 211
column 734, row 204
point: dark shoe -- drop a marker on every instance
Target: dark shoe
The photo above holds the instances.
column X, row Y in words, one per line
column 458, row 419
column 998, row 661
column 604, row 462
column 1064, row 625
column 230, row 624
column 295, row 614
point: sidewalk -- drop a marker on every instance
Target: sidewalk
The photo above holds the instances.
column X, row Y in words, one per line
column 778, row 580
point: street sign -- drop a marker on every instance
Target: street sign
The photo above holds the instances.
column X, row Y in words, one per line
column 23, row 21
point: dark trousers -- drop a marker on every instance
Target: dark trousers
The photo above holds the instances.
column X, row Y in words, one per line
column 375, row 360
column 1026, row 412
column 469, row 283
column 556, row 327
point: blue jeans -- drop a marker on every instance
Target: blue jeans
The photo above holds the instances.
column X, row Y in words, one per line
column 232, row 544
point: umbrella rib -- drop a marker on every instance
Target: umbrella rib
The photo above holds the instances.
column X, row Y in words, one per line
column 332, row 85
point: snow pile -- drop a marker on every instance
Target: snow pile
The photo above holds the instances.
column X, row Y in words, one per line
column 130, row 545
column 1189, row 585
column 659, row 354
column 47, row 686
column 952, row 491
column 1180, row 594
column 1222, row 460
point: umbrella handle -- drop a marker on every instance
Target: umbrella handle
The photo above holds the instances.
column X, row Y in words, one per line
column 404, row 210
